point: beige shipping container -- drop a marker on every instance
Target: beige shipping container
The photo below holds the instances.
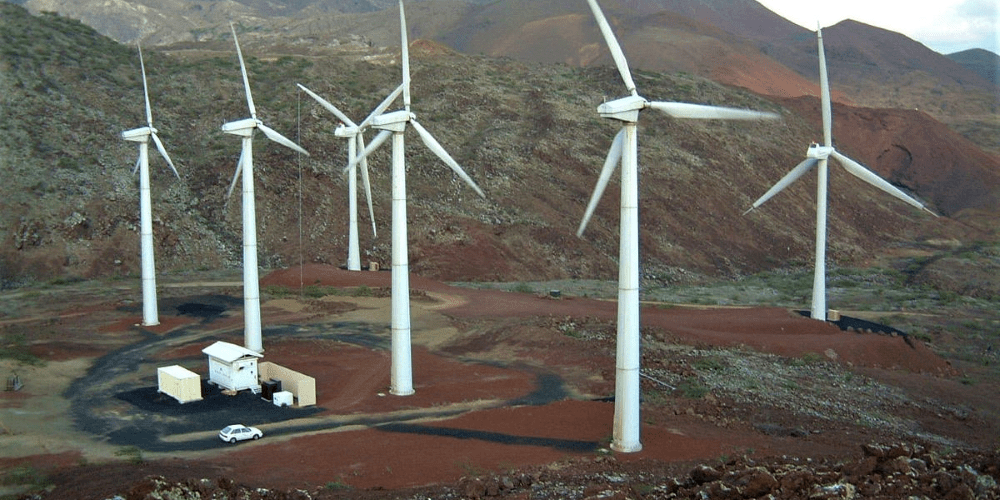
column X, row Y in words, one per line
column 179, row 383
column 301, row 385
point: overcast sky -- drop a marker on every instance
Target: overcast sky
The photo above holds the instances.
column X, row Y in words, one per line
column 945, row 26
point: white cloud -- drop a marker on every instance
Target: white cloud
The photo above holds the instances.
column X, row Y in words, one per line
column 945, row 26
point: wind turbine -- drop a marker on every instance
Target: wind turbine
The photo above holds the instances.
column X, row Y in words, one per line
column 245, row 128
column 624, row 148
column 354, row 133
column 394, row 124
column 150, row 314
column 818, row 156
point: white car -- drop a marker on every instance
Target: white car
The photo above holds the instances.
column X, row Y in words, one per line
column 237, row 432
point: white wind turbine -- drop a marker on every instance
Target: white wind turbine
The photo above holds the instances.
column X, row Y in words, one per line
column 624, row 149
column 818, row 156
column 394, row 124
column 354, row 133
column 245, row 128
column 150, row 314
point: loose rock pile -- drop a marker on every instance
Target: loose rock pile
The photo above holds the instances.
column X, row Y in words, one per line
column 878, row 472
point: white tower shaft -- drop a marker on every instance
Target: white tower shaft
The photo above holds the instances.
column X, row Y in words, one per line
column 150, row 313
column 819, row 272
column 353, row 251
column 251, row 286
column 626, row 423
column 401, row 383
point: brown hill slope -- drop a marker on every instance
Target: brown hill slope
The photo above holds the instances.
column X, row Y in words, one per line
column 529, row 135
column 745, row 18
column 915, row 151
column 654, row 39
column 881, row 69
column 983, row 62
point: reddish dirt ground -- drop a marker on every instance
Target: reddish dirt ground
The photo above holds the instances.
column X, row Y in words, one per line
column 483, row 371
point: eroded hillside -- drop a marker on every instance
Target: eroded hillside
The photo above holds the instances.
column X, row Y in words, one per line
column 528, row 134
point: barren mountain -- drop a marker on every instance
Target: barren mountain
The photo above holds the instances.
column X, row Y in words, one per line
column 737, row 43
column 528, row 134
column 745, row 18
column 983, row 62
column 915, row 151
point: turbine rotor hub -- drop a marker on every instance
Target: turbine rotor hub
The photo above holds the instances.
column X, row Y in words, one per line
column 242, row 128
column 819, row 152
column 140, row 134
column 393, row 122
column 345, row 131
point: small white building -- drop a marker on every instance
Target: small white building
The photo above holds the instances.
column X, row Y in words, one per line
column 179, row 383
column 232, row 367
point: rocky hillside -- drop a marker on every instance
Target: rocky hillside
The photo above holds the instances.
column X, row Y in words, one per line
column 899, row 470
column 736, row 43
column 528, row 134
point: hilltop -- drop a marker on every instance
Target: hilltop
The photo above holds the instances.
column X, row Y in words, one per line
column 738, row 43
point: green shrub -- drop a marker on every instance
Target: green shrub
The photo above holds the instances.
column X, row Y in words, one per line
column 132, row 454
column 692, row 388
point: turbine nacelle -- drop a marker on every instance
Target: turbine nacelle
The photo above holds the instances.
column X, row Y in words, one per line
column 140, row 134
column 394, row 122
column 347, row 131
column 625, row 109
column 819, row 152
column 242, row 128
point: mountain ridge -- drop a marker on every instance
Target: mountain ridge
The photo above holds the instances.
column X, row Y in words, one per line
column 525, row 132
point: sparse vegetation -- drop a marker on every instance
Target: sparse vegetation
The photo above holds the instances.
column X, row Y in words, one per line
column 14, row 347
column 23, row 475
column 693, row 388
column 131, row 454
column 338, row 484
column 277, row 291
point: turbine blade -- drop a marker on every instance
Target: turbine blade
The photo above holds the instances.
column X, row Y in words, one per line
column 243, row 69
column 785, row 181
column 138, row 162
column 613, row 46
column 372, row 146
column 163, row 153
column 280, row 139
column 329, row 106
column 382, row 106
column 824, row 88
column 145, row 88
column 405, row 56
column 704, row 112
column 435, row 146
column 610, row 164
column 870, row 177
column 365, row 179
column 236, row 176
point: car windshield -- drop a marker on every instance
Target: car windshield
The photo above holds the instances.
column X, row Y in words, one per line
column 228, row 429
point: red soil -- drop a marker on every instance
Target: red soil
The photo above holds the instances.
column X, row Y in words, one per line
column 353, row 380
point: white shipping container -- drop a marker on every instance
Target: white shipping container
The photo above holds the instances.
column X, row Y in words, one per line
column 282, row 398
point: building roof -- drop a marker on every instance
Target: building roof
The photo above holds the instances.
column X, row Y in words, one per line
column 178, row 372
column 228, row 353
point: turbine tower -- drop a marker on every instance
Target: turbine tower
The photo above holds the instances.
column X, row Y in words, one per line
column 150, row 314
column 624, row 148
column 394, row 124
column 818, row 156
column 245, row 129
column 354, row 133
